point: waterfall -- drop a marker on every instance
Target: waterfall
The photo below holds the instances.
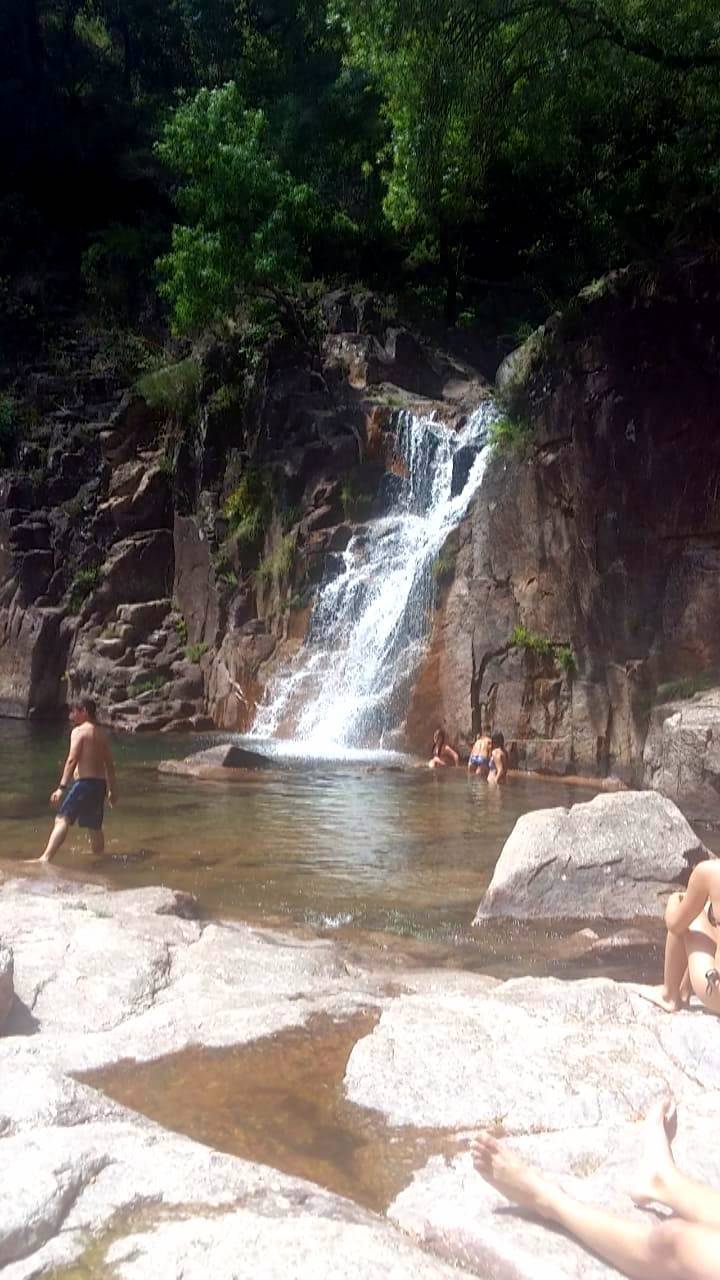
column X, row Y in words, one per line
column 349, row 684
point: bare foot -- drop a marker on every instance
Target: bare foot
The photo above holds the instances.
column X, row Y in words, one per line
column 659, row 997
column 512, row 1177
column 657, row 1165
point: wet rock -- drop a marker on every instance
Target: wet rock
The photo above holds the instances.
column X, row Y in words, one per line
column 224, row 756
column 7, row 991
column 616, row 857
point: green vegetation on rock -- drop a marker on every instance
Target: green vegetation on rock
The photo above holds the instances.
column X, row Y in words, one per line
column 248, row 508
column 148, row 684
column 83, row 584
column 562, row 654
column 276, row 566
column 172, row 390
column 194, row 652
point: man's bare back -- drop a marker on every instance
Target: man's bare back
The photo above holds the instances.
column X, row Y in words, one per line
column 89, row 746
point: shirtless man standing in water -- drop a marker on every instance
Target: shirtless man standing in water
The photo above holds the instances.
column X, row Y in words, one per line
column 88, row 774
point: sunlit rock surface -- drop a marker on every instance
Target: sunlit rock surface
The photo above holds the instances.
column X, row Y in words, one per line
column 106, row 976
column 567, row 1070
column 616, row 857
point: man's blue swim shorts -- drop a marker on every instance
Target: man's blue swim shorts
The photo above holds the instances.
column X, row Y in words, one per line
column 84, row 803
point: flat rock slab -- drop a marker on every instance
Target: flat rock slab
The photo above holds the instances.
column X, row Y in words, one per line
column 567, row 1070
column 7, row 991
column 104, row 975
column 616, row 857
column 454, row 1211
column 93, row 1182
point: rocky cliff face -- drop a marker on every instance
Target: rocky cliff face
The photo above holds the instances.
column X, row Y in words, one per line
column 601, row 535
column 161, row 545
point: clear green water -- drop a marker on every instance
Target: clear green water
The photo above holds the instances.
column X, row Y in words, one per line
column 388, row 853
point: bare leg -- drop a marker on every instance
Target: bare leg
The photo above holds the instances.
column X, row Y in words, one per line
column 660, row 1180
column 57, row 838
column 659, row 1251
column 97, row 841
column 670, row 995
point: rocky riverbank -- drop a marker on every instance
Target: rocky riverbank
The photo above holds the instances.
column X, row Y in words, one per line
column 567, row 1069
column 162, row 543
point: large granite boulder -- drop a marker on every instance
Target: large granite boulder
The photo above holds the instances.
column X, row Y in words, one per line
column 7, row 992
column 682, row 754
column 616, row 857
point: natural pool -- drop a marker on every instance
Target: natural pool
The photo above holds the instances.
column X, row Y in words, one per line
column 390, row 861
column 360, row 850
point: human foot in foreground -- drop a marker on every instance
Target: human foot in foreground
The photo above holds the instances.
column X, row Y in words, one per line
column 657, row 1165
column 660, row 998
column 505, row 1171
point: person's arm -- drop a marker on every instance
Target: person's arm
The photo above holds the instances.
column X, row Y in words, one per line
column 69, row 768
column 452, row 754
column 110, row 773
column 682, row 908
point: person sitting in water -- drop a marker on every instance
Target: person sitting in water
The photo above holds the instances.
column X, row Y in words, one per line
column 685, row 1247
column 479, row 762
column 498, row 768
column 692, row 946
column 442, row 752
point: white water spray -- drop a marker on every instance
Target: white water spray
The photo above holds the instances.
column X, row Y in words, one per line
column 350, row 682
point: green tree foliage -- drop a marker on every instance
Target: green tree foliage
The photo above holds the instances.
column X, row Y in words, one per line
column 246, row 224
column 477, row 142
column 545, row 132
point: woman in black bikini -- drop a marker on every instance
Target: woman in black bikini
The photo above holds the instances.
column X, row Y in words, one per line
column 692, row 946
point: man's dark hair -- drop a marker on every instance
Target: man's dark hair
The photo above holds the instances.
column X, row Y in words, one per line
column 89, row 706
column 498, row 740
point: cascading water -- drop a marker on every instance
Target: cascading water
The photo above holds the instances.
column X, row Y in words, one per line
column 349, row 684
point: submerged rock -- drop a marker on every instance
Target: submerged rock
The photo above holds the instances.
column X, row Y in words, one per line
column 225, row 756
column 617, row 857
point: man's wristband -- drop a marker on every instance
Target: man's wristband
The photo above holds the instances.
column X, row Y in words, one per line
column 62, row 786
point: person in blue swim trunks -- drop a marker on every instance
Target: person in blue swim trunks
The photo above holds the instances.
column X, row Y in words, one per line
column 87, row 778
column 479, row 762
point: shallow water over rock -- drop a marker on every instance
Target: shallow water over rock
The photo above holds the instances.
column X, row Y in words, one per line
column 280, row 1101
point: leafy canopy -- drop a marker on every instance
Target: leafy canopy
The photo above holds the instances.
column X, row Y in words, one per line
column 246, row 225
